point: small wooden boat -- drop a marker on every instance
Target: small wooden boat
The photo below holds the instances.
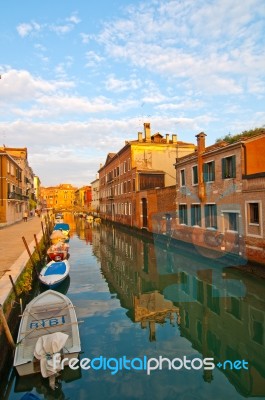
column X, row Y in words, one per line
column 47, row 314
column 54, row 273
column 58, row 251
column 64, row 228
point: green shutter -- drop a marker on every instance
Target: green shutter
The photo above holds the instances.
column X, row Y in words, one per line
column 205, row 173
column 192, row 215
column 223, row 168
column 233, row 166
column 213, row 173
column 200, row 216
column 215, row 216
column 206, row 215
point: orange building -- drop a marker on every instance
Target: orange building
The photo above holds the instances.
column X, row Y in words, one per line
column 221, row 196
column 17, row 193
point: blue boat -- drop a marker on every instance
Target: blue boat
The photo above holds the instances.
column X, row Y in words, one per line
column 54, row 273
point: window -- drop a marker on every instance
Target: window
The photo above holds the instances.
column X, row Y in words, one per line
column 229, row 167
column 210, row 211
column 209, row 171
column 183, row 216
column 130, row 208
column 182, row 177
column 195, row 214
column 231, row 222
column 125, row 166
column 254, row 213
column 195, row 175
column 133, row 188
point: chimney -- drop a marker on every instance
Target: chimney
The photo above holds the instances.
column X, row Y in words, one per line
column 201, row 142
column 167, row 138
column 147, row 132
column 174, row 138
column 140, row 136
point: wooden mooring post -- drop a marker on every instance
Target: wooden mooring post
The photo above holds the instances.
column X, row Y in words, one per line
column 6, row 328
column 37, row 247
column 14, row 286
column 30, row 255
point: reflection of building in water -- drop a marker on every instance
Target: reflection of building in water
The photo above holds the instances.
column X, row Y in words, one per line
column 151, row 308
column 129, row 266
column 83, row 230
column 220, row 312
column 225, row 327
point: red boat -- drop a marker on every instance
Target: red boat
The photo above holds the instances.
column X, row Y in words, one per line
column 58, row 251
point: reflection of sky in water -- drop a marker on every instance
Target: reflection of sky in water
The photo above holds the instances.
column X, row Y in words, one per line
column 107, row 330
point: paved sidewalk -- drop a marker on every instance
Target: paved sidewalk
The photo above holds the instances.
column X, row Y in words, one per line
column 13, row 254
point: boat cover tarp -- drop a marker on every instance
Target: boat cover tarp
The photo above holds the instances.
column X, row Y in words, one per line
column 63, row 227
column 47, row 349
column 57, row 234
column 57, row 268
column 29, row 396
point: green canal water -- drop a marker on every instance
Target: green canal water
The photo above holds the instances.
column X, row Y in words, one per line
column 146, row 303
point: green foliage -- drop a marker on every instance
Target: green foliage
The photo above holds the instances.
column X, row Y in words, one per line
column 245, row 134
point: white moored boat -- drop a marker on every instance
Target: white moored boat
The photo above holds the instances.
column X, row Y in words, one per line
column 54, row 273
column 47, row 315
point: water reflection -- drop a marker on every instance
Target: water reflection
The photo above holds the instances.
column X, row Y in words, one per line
column 137, row 298
column 218, row 309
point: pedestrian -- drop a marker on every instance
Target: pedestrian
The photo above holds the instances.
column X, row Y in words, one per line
column 25, row 216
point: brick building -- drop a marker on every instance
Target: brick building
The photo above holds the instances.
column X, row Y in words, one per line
column 221, row 196
column 129, row 179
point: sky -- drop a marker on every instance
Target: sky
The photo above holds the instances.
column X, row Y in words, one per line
column 79, row 78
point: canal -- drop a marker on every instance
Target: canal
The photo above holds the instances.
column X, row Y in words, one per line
column 146, row 304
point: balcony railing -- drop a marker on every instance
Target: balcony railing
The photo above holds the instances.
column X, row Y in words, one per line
column 17, row 196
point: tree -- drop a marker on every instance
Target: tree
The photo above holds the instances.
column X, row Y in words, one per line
column 240, row 136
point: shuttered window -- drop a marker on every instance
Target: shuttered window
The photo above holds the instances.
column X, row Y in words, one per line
column 195, row 214
column 183, row 216
column 209, row 171
column 229, row 167
column 210, row 212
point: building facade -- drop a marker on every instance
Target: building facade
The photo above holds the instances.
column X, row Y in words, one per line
column 58, row 197
column 141, row 165
column 220, row 197
column 83, row 198
column 17, row 185
column 95, row 196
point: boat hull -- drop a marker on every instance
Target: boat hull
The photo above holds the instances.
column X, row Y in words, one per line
column 54, row 273
column 49, row 312
column 58, row 252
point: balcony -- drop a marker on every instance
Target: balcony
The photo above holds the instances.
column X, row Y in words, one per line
column 17, row 196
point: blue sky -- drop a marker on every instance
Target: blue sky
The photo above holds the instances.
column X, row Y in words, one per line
column 81, row 77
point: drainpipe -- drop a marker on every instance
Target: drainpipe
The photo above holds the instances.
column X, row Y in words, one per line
column 200, row 150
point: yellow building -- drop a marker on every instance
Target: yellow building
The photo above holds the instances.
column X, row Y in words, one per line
column 58, row 197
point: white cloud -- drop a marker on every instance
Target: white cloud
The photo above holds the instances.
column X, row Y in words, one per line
column 93, row 59
column 121, row 85
column 24, row 29
column 20, row 85
column 85, row 37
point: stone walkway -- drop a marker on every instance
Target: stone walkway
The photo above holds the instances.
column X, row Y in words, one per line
column 13, row 254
